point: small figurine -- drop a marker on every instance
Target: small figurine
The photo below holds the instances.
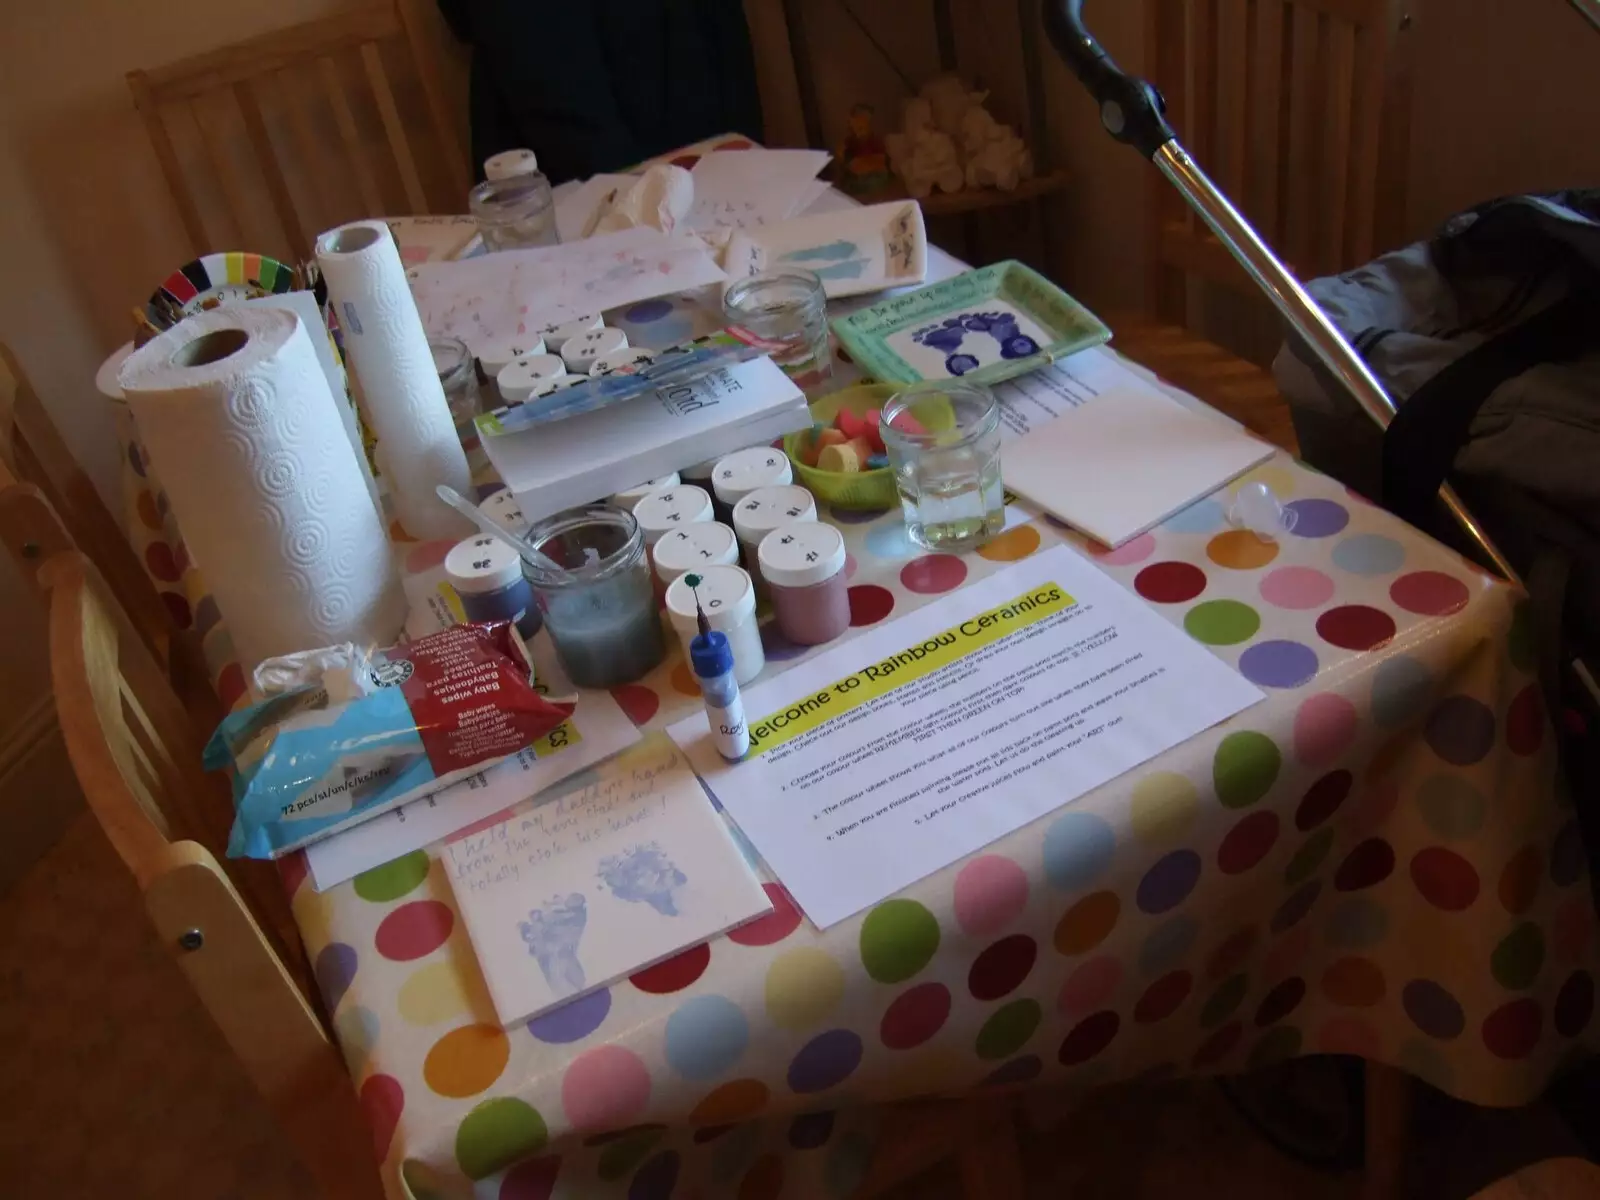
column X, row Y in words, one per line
column 863, row 158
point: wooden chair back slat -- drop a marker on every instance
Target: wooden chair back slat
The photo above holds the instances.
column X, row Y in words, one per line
column 345, row 64
column 1296, row 108
column 138, row 768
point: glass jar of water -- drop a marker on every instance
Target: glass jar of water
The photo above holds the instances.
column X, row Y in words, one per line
column 515, row 213
column 784, row 313
column 943, row 440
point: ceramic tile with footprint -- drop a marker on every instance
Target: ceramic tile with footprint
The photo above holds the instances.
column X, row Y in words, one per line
column 958, row 344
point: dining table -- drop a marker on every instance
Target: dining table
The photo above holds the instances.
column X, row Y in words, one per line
column 1379, row 859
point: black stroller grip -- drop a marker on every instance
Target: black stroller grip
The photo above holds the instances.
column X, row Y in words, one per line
column 1131, row 109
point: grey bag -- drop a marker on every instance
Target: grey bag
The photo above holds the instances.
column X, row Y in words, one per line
column 1488, row 339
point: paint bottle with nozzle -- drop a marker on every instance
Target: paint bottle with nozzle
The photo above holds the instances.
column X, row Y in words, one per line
column 711, row 657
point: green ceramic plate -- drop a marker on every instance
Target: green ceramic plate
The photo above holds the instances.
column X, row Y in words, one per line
column 987, row 325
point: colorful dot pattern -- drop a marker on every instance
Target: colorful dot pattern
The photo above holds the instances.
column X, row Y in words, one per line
column 1334, row 870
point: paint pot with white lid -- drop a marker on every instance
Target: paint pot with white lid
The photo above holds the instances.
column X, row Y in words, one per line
column 764, row 510
column 496, row 355
column 522, row 376
column 694, row 548
column 487, row 576
column 510, row 162
column 556, row 336
column 628, row 497
column 738, row 474
column 506, row 511
column 580, row 353
column 804, row 566
column 728, row 599
column 661, row 512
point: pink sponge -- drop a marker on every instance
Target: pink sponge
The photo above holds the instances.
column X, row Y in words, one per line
column 850, row 424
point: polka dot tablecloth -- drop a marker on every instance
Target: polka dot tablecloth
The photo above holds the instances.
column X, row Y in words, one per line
column 1376, row 860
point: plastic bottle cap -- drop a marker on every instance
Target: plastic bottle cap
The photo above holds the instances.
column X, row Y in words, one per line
column 509, row 163
column 693, row 548
column 482, row 564
column 505, row 510
column 579, row 353
column 710, row 655
column 555, row 336
column 496, row 356
column 768, row 508
column 726, row 594
column 660, row 513
column 738, row 474
column 801, row 555
column 628, row 497
column 518, row 378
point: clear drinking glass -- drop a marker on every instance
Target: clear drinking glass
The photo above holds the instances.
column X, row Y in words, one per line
column 785, row 313
column 601, row 609
column 458, row 375
column 515, row 213
column 943, row 440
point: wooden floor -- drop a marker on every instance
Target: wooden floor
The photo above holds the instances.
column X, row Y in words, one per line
column 114, row 1083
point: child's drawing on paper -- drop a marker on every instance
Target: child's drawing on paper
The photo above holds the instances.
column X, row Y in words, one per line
column 552, row 934
column 644, row 874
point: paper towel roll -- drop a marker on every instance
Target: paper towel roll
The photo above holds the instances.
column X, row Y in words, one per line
column 236, row 414
column 386, row 344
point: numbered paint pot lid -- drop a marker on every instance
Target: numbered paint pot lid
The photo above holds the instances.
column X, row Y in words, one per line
column 500, row 353
column 580, row 353
column 801, row 555
column 628, row 497
column 626, row 357
column 738, row 474
column 726, row 594
column 519, row 377
column 768, row 508
column 694, row 548
column 505, row 510
column 555, row 336
column 482, row 564
column 661, row 512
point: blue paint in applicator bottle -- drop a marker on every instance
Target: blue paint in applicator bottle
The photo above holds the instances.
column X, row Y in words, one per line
column 712, row 660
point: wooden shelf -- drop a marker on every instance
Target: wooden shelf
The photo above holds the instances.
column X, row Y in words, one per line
column 942, row 204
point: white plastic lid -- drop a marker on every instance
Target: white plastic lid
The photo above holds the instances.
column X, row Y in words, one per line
column 579, row 353
column 726, row 594
column 628, row 497
column 546, row 386
column 695, row 548
column 660, row 513
column 801, row 555
column 555, row 336
column 509, row 163
column 518, row 378
column 765, row 509
column 482, row 564
column 742, row 472
column 497, row 355
column 505, row 511
column 626, row 357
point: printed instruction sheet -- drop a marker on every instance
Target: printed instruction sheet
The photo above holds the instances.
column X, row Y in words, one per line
column 908, row 748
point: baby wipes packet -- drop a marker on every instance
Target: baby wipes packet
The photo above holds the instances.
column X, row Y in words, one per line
column 435, row 711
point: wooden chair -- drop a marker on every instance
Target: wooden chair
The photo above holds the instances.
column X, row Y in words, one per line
column 48, row 505
column 139, row 769
column 270, row 83
column 1300, row 110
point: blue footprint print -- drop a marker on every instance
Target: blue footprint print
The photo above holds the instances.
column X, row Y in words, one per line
column 949, row 335
column 644, row 874
column 552, row 934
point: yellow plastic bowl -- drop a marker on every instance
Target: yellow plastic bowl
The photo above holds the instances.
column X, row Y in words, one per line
column 863, row 490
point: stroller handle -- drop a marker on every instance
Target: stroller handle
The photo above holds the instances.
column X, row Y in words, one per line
column 1131, row 109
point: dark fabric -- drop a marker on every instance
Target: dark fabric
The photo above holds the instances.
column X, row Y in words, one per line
column 598, row 85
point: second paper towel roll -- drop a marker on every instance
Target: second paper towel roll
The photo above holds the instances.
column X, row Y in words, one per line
column 384, row 340
column 236, row 414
